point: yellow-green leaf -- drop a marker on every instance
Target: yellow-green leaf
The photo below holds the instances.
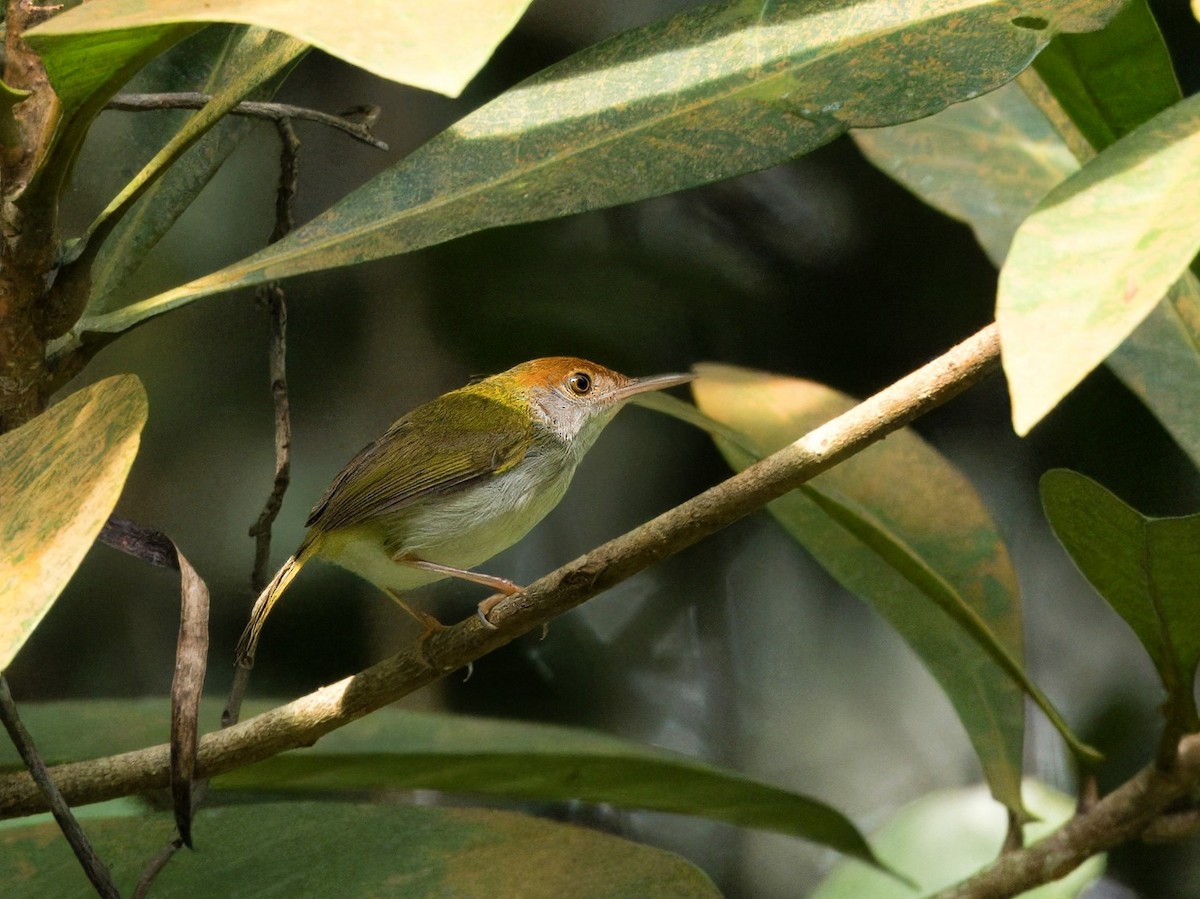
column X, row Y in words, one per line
column 435, row 45
column 60, row 476
column 1096, row 256
column 947, row 836
column 943, row 523
column 988, row 162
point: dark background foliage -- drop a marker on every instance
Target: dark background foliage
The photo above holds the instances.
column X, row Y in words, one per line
column 821, row 268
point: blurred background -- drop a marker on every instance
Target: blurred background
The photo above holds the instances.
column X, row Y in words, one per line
column 741, row 650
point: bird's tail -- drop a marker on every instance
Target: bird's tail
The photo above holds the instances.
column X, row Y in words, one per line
column 262, row 606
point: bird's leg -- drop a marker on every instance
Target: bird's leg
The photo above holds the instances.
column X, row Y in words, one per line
column 429, row 624
column 501, row 584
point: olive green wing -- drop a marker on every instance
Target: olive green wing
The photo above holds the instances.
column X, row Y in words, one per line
column 449, row 443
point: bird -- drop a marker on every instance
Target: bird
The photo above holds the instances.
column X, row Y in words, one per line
column 456, row 481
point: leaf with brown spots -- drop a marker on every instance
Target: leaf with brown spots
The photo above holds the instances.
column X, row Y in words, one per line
column 60, row 476
column 934, row 512
column 714, row 92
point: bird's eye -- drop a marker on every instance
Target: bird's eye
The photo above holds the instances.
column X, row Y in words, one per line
column 580, row 383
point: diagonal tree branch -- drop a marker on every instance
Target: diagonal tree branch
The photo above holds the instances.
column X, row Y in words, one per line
column 304, row 721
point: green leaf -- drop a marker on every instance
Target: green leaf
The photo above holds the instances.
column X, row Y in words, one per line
column 1160, row 363
column 349, row 849
column 986, row 162
column 240, row 63
column 712, row 93
column 944, row 524
column 1108, row 82
column 1112, row 80
column 904, row 560
column 86, row 70
column 403, row 750
column 199, row 63
column 947, row 836
column 1096, row 256
column 457, row 754
column 1145, row 568
column 889, row 547
column 423, row 43
column 124, row 807
column 60, row 476
column 75, row 730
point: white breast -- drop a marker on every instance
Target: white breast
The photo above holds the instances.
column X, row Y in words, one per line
column 461, row 530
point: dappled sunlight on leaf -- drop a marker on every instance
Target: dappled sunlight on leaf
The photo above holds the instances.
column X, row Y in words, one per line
column 60, row 476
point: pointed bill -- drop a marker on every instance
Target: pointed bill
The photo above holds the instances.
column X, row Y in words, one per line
column 653, row 382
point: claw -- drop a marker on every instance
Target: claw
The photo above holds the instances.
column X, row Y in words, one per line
column 485, row 607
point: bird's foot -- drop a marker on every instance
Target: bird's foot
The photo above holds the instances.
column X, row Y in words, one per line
column 486, row 607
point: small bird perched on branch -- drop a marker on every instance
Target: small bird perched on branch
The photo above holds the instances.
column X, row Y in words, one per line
column 457, row 480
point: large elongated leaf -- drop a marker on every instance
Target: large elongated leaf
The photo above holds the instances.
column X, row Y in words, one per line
column 352, row 850
column 905, row 561
column 712, row 93
column 1110, row 81
column 264, row 58
column 1095, row 258
column 943, row 523
column 988, row 163
column 529, row 761
column 399, row 750
column 87, row 69
column 198, row 64
column 60, row 476
column 1145, row 568
column 430, row 44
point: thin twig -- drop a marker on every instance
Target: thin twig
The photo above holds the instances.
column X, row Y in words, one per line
column 156, row 865
column 187, row 792
column 95, row 869
column 1173, row 827
column 355, row 122
column 273, row 298
column 304, row 721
